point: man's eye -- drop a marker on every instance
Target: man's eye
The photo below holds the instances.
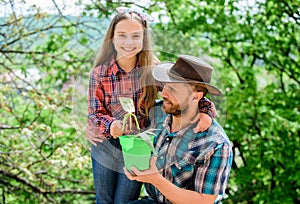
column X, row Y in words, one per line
column 170, row 88
column 136, row 36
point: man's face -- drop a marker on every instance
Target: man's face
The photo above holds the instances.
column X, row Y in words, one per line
column 177, row 97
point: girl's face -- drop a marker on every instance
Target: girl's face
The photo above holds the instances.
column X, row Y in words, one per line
column 128, row 39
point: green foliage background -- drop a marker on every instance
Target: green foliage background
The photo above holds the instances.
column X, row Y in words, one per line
column 44, row 65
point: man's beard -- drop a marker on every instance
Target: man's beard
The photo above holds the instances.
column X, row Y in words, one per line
column 173, row 110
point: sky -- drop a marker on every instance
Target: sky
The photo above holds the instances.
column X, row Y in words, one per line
column 68, row 6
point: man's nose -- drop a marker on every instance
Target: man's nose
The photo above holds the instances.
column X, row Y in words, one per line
column 164, row 92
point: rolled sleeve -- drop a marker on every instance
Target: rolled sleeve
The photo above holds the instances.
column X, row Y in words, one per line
column 208, row 107
column 97, row 114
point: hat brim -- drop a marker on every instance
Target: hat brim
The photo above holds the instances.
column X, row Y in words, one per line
column 160, row 73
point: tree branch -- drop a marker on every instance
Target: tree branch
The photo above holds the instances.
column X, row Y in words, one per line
column 42, row 191
column 227, row 59
column 23, row 80
column 294, row 15
column 171, row 14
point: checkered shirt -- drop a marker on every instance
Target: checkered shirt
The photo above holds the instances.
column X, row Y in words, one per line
column 199, row 162
column 107, row 84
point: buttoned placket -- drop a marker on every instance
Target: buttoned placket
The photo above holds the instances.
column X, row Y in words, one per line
column 166, row 144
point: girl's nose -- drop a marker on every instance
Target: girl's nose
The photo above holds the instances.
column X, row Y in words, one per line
column 128, row 40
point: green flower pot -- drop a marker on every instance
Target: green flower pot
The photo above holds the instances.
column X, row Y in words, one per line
column 136, row 152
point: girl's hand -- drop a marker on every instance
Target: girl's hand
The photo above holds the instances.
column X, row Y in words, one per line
column 93, row 135
column 203, row 124
column 116, row 129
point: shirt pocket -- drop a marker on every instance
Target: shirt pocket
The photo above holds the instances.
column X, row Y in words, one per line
column 183, row 173
column 116, row 108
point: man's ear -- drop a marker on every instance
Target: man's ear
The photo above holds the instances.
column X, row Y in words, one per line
column 198, row 95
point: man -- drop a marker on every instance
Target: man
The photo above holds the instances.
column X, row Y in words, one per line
column 190, row 167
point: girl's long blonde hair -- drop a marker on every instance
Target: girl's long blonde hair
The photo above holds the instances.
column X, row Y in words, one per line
column 145, row 59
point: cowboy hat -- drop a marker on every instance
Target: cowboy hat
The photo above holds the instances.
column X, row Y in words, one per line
column 188, row 69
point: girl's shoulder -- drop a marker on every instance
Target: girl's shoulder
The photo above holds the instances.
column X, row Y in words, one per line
column 105, row 69
column 156, row 61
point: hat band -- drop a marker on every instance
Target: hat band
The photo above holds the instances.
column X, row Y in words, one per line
column 172, row 74
column 176, row 76
column 211, row 89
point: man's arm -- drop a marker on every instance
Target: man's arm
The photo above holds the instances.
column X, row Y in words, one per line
column 168, row 189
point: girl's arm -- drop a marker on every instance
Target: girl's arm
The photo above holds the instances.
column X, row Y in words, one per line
column 207, row 112
column 208, row 107
column 99, row 120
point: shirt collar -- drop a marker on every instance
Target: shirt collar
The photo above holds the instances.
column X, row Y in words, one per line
column 116, row 68
column 167, row 126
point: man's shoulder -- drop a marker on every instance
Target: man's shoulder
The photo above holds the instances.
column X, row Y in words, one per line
column 215, row 134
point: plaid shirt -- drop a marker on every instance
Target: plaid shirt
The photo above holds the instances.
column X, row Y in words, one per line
column 107, row 84
column 199, row 162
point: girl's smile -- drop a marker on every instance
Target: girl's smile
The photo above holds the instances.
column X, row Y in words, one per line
column 128, row 39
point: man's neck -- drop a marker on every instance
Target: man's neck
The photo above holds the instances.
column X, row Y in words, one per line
column 182, row 121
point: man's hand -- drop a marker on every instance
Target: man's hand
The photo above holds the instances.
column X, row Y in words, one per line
column 147, row 176
column 93, row 135
column 203, row 124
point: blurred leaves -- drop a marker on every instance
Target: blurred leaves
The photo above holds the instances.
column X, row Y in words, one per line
column 45, row 61
column 43, row 157
column 255, row 46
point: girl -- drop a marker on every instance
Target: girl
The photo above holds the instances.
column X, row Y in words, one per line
column 122, row 68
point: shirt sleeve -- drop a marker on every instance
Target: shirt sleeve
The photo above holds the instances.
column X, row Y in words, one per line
column 97, row 113
column 208, row 107
column 212, row 177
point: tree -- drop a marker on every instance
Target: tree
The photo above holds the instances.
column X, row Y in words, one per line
column 45, row 61
column 43, row 157
column 258, row 48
